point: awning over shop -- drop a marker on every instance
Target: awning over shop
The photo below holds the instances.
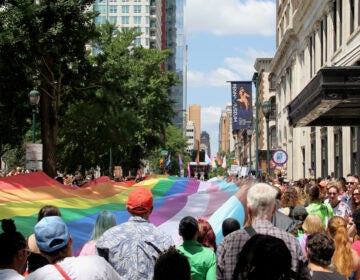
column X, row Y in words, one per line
column 332, row 98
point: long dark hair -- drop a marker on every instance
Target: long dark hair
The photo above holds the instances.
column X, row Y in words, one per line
column 11, row 242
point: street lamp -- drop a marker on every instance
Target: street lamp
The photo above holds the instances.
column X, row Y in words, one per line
column 266, row 109
column 249, row 132
column 34, row 98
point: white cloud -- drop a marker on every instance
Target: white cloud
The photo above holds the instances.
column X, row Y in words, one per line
column 210, row 116
column 215, row 78
column 234, row 68
column 231, row 17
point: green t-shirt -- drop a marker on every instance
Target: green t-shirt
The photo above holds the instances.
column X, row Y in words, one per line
column 202, row 260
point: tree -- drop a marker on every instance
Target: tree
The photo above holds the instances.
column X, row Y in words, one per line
column 126, row 111
column 175, row 144
column 46, row 44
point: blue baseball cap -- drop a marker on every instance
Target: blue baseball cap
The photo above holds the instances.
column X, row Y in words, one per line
column 51, row 234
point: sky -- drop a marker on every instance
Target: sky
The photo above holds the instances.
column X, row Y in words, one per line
column 224, row 38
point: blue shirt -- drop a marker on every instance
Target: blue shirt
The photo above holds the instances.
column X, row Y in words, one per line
column 132, row 247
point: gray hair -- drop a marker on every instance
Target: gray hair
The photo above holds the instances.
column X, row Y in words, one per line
column 261, row 200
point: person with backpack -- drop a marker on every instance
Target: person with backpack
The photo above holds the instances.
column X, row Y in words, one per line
column 260, row 207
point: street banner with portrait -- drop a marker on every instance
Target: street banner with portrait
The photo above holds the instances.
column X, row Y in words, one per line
column 241, row 97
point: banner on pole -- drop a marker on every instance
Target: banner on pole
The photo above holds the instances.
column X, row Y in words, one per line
column 241, row 97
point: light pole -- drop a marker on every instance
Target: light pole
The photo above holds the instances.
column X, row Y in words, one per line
column 255, row 80
column 266, row 109
column 34, row 98
column 249, row 132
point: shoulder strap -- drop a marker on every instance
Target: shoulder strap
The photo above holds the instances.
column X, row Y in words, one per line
column 250, row 231
column 62, row 272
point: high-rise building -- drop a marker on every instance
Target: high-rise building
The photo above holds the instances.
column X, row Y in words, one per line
column 205, row 142
column 175, row 41
column 161, row 23
column 195, row 117
column 190, row 134
column 225, row 131
column 143, row 14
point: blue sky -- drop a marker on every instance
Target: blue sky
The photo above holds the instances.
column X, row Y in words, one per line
column 224, row 38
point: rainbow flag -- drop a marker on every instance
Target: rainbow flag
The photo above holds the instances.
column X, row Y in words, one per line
column 22, row 196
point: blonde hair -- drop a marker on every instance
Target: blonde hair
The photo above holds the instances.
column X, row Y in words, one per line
column 313, row 224
column 342, row 258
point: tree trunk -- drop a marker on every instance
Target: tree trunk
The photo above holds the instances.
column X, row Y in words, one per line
column 49, row 131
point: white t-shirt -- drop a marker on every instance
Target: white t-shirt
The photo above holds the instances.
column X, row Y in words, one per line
column 10, row 274
column 77, row 268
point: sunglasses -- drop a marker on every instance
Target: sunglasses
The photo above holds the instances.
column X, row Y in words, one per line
column 350, row 183
column 332, row 193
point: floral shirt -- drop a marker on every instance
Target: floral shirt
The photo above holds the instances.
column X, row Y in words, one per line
column 132, row 247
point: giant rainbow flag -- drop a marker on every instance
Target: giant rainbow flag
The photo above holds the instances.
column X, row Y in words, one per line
column 22, row 196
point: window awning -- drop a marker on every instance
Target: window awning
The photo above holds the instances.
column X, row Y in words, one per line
column 332, row 98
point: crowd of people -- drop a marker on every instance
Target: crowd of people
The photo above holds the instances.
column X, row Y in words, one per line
column 303, row 230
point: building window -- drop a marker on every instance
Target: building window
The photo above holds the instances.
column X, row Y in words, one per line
column 273, row 108
column 340, row 22
column 322, row 43
column 303, row 160
column 353, row 137
column 100, row 20
column 137, row 9
column 325, row 38
column 324, row 154
column 273, row 143
column 125, row 9
column 352, row 16
column 272, row 81
column 137, row 42
column 113, row 9
column 137, row 20
column 334, row 18
column 100, row 8
column 338, row 152
column 147, row 20
column 311, row 55
column 313, row 153
column 113, row 19
column 113, row 1
column 358, row 14
column 125, row 20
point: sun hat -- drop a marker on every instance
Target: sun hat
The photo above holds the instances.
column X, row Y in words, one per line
column 140, row 201
column 51, row 234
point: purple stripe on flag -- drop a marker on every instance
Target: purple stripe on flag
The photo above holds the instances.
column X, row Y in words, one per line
column 171, row 206
column 216, row 199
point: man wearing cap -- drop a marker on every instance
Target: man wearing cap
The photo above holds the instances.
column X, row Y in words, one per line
column 133, row 247
column 55, row 243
